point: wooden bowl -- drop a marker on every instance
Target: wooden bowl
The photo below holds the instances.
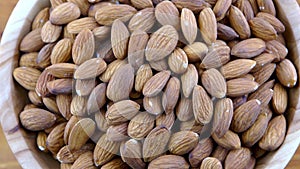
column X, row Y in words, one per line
column 13, row 97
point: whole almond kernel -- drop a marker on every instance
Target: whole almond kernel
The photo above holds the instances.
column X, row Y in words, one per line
column 61, row 51
column 166, row 120
column 140, row 126
column 191, row 125
column 223, row 114
column 166, row 13
column 276, row 23
column 119, row 39
column 246, row 8
column 249, row 48
column 262, row 29
column 136, row 48
column 208, row 26
column 60, row 86
column 117, row 132
column 153, row 105
column 202, row 105
column 80, row 133
column 121, row 111
column 237, row 68
column 131, row 153
column 221, row 7
column 41, row 141
column 83, row 47
column 78, row 106
column 37, row 119
column 143, row 20
column 40, row 19
column 167, row 37
column 156, row 83
column 64, row 13
column 195, row 5
column 35, row 98
column 217, row 56
column 188, row 25
column 50, row 33
column 105, row 150
column 97, row 98
column 90, row 69
column 264, row 74
column 286, row 73
column 169, row 161
column 211, row 163
column 64, row 104
column 267, row 6
column 196, row 51
column 155, row 143
column 161, row 65
column 214, row 83
column 32, row 42
column 254, row 6
column 200, row 152
column 239, row 22
column 55, row 139
column 115, row 164
column 220, row 153
column 226, row 33
column 189, row 80
column 264, row 96
column 107, row 15
column 141, row 4
column 178, row 61
column 276, row 48
column 262, row 60
column 102, row 32
column 111, row 69
column 85, row 160
column 84, row 87
column 184, row 109
column 280, row 99
column 41, row 85
column 100, row 120
column 27, row 77
column 144, row 73
column 77, row 25
column 171, row 94
column 238, row 158
column 229, row 141
column 275, row 134
column 183, row 142
column 240, row 86
column 50, row 104
column 245, row 115
column 43, row 58
column 256, row 131
column 62, row 70
column 121, row 83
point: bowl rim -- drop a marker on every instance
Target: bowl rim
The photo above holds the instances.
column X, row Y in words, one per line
column 19, row 139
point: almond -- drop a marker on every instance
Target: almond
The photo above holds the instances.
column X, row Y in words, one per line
column 166, row 120
column 64, row 104
column 77, row 25
column 239, row 22
column 111, row 69
column 195, row 5
column 83, row 6
column 34, row 98
column 60, row 86
column 166, row 13
column 276, row 23
column 84, row 161
column 131, row 153
column 50, row 104
column 202, row 105
column 191, row 125
column 237, row 68
column 208, row 26
column 40, row 19
column 90, row 69
column 97, row 98
column 189, row 80
column 223, row 114
column 64, row 13
column 43, row 58
column 171, row 95
column 27, row 77
column 78, row 106
column 50, row 33
column 229, row 141
column 220, row 9
column 119, row 39
column 220, row 153
column 211, row 163
column 214, row 83
column 264, row 74
column 144, row 73
column 153, row 105
column 36, row 119
column 102, row 32
column 188, row 25
column 55, row 140
column 94, row 7
column 100, row 120
column 262, row 29
column 169, row 161
column 62, row 51
column 178, row 61
column 245, row 115
column 280, row 99
column 167, row 37
column 183, row 142
column 217, row 56
column 83, row 47
column 246, row 8
column 115, row 164
column 200, row 152
column 161, row 65
column 249, row 48
column 196, row 51
column 143, row 20
column 240, row 86
column 156, row 83
column 118, row 132
column 62, row 70
column 140, row 126
column 267, row 6
column 262, row 60
column 226, row 33
column 276, row 48
column 141, row 4
column 32, row 42
column 41, row 141
column 238, row 158
column 106, row 16
column 286, row 73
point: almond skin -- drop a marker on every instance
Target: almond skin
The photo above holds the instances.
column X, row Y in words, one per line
column 62, row 51
column 64, row 13
column 83, row 47
column 286, row 73
column 240, row 86
column 214, row 83
column 183, row 142
column 239, row 22
column 262, row 29
column 249, row 48
column 156, row 83
column 208, row 26
column 200, row 152
column 27, row 77
column 32, row 42
column 37, row 119
column 143, row 20
column 238, row 158
column 90, row 69
column 166, row 13
column 189, row 80
column 279, row 99
column 188, row 25
column 229, row 141
column 237, row 68
column 119, row 39
column 223, row 113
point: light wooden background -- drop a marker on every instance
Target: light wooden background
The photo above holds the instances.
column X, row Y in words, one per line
column 7, row 160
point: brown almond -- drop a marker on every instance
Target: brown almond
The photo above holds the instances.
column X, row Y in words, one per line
column 50, row 104
column 78, row 106
column 184, row 109
column 117, row 133
column 62, row 70
column 36, row 119
column 214, row 83
column 116, row 163
column 169, row 161
column 119, row 39
column 189, row 80
column 83, row 6
column 262, row 60
column 136, row 48
column 178, row 61
column 202, row 105
column 276, row 48
column 141, row 125
column 32, row 42
column 77, row 25
column 141, row 4
column 166, row 120
column 50, row 33
column 102, row 32
column 121, row 111
column 264, row 96
column 226, row 33
column 64, row 13
column 84, row 87
column 262, row 29
column 229, row 141
column 84, row 161
column 83, row 47
column 245, row 115
column 153, row 105
column 196, row 51
column 211, row 163
column 144, row 73
column 279, row 99
column 161, row 65
column 60, row 86
column 64, row 104
column 238, row 158
column 166, row 13
column 240, row 86
column 90, row 69
column 208, row 26
column 267, row 6
column 143, row 20
column 237, row 68
column 107, row 15
column 94, row 7
column 35, row 98
column 170, row 95
column 61, row 51
column 183, row 142
column 220, row 9
column 100, row 120
column 239, row 22
column 155, row 143
column 111, row 69
column 276, row 23
column 41, row 141
column 286, row 73
column 249, row 48
column 40, row 19
column 223, row 114
column 195, row 5
column 27, row 77
column 55, row 140
column 220, row 153
column 264, row 74
column 217, row 56
column 200, row 152
column 156, row 83
column 189, row 25
column 43, row 58
column 131, row 153
column 97, row 98
column 167, row 37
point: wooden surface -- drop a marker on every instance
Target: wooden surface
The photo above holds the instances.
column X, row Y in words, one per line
column 7, row 160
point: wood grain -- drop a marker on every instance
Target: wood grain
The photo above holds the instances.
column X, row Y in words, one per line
column 7, row 160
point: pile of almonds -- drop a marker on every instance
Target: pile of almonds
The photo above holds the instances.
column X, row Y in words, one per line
column 159, row 84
